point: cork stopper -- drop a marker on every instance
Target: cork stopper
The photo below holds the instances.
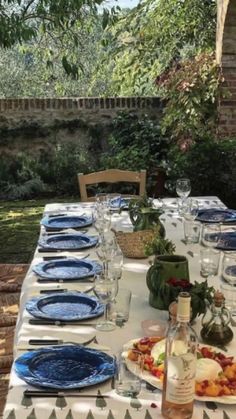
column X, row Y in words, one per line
column 183, row 309
column 218, row 298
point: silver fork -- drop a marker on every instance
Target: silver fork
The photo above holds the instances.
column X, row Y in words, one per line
column 59, row 342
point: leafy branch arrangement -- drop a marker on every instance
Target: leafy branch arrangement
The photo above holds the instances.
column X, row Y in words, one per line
column 159, row 245
column 200, row 292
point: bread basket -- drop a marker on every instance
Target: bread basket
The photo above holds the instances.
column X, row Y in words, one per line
column 132, row 244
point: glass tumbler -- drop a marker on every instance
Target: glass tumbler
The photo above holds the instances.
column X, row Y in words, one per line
column 127, row 381
column 229, row 267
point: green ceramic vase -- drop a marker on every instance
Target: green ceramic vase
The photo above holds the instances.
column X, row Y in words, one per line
column 146, row 219
column 164, row 268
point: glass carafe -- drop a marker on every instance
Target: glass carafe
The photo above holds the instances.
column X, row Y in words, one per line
column 215, row 322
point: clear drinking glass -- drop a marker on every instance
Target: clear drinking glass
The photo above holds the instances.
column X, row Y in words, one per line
column 106, row 290
column 120, row 307
column 190, row 209
column 101, row 219
column 191, row 231
column 183, row 187
column 116, row 263
column 101, row 199
column 106, row 249
column 229, row 268
column 127, row 381
column 210, row 259
column 211, row 234
column 229, row 292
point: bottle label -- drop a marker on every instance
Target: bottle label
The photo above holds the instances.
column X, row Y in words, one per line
column 180, row 387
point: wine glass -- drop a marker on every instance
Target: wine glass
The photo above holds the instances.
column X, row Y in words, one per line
column 116, row 263
column 183, row 187
column 211, row 234
column 105, row 289
column 106, row 248
column 190, row 209
column 101, row 219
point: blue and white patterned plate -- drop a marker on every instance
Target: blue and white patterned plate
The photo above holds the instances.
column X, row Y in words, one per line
column 216, row 215
column 67, row 306
column 65, row 367
column 227, row 241
column 68, row 241
column 67, row 269
column 66, row 221
column 119, row 203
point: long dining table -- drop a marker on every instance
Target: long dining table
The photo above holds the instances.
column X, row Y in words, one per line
column 109, row 404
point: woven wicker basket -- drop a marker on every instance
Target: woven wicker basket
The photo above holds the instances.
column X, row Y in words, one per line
column 132, row 244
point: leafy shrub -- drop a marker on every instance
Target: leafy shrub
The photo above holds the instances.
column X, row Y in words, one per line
column 190, row 90
column 29, row 189
column 210, row 165
column 59, row 168
column 25, row 176
column 136, row 143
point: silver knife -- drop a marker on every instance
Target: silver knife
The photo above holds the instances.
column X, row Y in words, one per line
column 59, row 323
column 63, row 281
column 55, row 393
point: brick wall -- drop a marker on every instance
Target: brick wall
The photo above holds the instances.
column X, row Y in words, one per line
column 33, row 123
column 226, row 56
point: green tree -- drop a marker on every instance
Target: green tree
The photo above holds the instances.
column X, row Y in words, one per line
column 158, row 33
column 27, row 20
column 191, row 89
column 36, row 68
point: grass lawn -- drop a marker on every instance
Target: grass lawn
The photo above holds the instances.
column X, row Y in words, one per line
column 19, row 228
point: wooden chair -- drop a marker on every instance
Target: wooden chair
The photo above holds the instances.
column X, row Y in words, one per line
column 111, row 176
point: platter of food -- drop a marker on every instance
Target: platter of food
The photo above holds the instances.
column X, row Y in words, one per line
column 215, row 374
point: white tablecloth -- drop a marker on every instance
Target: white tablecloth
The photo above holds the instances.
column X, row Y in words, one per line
column 134, row 278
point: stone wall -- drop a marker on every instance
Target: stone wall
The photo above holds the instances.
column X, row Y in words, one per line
column 31, row 124
column 226, row 57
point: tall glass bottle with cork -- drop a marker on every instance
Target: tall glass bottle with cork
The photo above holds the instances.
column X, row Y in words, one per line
column 180, row 364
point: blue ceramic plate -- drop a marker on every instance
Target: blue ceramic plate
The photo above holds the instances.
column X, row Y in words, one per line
column 216, row 215
column 67, row 269
column 67, row 306
column 119, row 202
column 65, row 367
column 68, row 241
column 66, row 221
column 227, row 241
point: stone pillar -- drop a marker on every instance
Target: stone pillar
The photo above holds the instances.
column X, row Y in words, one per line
column 226, row 57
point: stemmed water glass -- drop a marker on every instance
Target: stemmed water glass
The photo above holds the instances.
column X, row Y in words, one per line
column 183, row 187
column 190, row 209
column 106, row 289
column 106, row 248
column 101, row 219
column 116, row 263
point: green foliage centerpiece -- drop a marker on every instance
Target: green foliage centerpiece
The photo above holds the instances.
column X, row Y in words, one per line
column 144, row 217
column 168, row 276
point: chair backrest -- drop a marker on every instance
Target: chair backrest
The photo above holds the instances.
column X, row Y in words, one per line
column 111, row 176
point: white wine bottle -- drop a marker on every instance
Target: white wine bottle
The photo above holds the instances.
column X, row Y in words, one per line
column 180, row 364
